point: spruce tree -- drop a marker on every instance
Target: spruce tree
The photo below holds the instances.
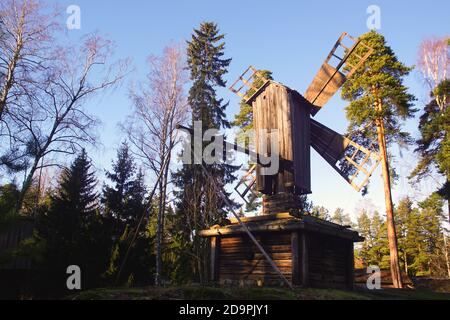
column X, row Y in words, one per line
column 379, row 103
column 72, row 228
column 123, row 201
column 244, row 119
column 199, row 205
column 124, row 205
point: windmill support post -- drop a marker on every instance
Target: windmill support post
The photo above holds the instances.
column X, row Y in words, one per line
column 391, row 230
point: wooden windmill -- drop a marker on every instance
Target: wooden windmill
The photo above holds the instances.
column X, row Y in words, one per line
column 277, row 107
column 281, row 246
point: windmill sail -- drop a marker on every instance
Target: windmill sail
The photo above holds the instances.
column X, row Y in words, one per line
column 332, row 76
column 353, row 162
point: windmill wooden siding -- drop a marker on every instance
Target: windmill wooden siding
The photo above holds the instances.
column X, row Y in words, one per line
column 276, row 107
column 308, row 251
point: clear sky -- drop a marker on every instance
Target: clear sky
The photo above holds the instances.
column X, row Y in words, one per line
column 291, row 38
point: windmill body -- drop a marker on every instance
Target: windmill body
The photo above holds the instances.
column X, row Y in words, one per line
column 278, row 108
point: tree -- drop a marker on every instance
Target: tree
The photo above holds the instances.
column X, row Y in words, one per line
column 321, row 213
column 436, row 250
column 341, row 218
column 9, row 195
column 72, row 230
column 199, row 205
column 434, row 65
column 408, row 233
column 375, row 249
column 55, row 122
column 27, row 30
column 244, row 119
column 27, row 35
column 365, row 230
column 124, row 203
column 160, row 105
column 434, row 143
column 377, row 96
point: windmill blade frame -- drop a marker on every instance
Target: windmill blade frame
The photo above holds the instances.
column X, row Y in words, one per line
column 353, row 162
column 329, row 78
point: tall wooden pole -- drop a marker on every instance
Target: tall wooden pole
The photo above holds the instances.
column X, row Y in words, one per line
column 392, row 235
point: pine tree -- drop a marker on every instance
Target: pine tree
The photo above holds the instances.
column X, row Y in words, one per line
column 432, row 217
column 321, row 213
column 407, row 233
column 199, row 205
column 364, row 227
column 341, row 218
column 380, row 101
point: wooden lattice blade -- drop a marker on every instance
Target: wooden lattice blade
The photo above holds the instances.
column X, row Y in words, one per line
column 340, row 65
column 352, row 161
column 325, row 84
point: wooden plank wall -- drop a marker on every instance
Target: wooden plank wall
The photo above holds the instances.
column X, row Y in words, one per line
column 301, row 139
column 241, row 261
column 329, row 263
column 272, row 111
column 279, row 108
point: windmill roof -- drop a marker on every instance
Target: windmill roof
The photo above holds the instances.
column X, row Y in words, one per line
column 283, row 222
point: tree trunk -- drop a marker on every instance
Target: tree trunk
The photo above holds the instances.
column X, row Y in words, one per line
column 392, row 235
column 159, row 234
column 161, row 212
column 446, row 254
column 9, row 79
column 27, row 183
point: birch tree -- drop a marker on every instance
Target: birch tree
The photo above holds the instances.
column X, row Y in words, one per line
column 27, row 36
column 55, row 122
column 159, row 105
column 27, row 30
column 434, row 66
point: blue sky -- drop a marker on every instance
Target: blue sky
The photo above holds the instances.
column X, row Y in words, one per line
column 291, row 38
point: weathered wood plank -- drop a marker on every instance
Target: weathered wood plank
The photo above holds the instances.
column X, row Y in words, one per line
column 295, row 261
column 215, row 252
column 305, row 259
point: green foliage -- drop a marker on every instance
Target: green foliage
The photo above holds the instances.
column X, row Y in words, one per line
column 380, row 78
column 420, row 238
column 199, row 206
column 207, row 67
column 72, row 230
column 124, row 204
column 9, row 196
column 434, row 143
column 244, row 119
column 374, row 250
column 321, row 213
column 341, row 218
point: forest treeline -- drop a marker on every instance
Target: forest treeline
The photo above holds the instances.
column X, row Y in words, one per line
column 139, row 226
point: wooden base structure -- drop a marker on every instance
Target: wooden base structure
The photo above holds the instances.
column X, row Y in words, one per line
column 280, row 203
column 309, row 252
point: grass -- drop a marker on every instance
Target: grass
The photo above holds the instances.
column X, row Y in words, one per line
column 194, row 292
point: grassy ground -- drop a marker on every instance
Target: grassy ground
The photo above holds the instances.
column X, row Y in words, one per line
column 211, row 293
